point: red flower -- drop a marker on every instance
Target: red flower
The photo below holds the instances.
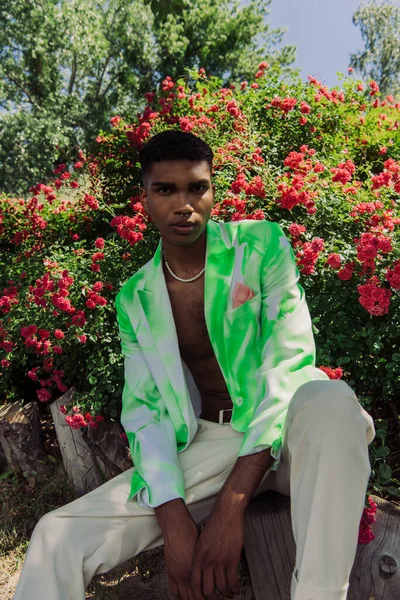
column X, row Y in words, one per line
column 334, row 260
column 374, row 88
column 43, row 395
column 333, row 373
column 305, row 108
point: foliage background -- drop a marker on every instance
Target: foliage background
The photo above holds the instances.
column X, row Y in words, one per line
column 323, row 163
column 67, row 67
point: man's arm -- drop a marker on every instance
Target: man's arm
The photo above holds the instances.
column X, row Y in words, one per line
column 242, row 482
column 288, row 347
column 158, row 477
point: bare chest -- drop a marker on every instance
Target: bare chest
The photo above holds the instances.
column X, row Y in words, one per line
column 187, row 303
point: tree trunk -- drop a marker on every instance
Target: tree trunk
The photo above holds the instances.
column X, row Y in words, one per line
column 93, row 456
column 21, row 439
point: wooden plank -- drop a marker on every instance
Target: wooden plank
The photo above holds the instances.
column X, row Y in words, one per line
column 376, row 570
column 269, row 546
column 270, row 551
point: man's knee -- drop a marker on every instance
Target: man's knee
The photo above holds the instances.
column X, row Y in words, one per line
column 332, row 395
column 50, row 529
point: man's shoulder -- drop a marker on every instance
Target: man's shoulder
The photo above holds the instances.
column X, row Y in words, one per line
column 128, row 288
column 253, row 230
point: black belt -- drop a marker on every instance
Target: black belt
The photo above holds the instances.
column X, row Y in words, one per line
column 222, row 416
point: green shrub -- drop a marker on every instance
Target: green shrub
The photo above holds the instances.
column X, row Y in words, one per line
column 324, row 163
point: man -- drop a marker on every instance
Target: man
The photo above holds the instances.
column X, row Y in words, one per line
column 222, row 400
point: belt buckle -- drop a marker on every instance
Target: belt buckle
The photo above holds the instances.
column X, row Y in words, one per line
column 221, row 415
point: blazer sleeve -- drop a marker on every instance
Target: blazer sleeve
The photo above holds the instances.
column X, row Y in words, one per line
column 157, row 476
column 288, row 347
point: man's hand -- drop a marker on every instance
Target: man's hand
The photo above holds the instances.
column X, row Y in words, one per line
column 179, row 546
column 217, row 555
column 180, row 533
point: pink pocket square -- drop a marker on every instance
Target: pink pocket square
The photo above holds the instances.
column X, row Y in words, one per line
column 241, row 294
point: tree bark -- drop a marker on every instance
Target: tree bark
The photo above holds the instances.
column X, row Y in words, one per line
column 91, row 457
column 21, row 439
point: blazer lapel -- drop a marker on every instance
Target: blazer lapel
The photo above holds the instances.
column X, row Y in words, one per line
column 152, row 319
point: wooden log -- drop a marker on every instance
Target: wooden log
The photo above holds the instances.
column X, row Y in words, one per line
column 79, row 463
column 3, row 460
column 269, row 545
column 90, row 457
column 112, row 454
column 376, row 570
column 21, row 439
column 271, row 551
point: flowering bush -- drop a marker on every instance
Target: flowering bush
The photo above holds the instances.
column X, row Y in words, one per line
column 324, row 163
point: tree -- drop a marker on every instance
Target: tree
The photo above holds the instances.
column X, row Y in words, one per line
column 380, row 31
column 67, row 67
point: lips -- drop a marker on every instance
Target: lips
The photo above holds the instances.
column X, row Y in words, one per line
column 183, row 224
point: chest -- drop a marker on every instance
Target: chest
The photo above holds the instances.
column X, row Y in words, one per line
column 187, row 303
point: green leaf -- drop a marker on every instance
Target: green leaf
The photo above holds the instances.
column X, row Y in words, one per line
column 6, row 474
column 380, row 434
column 382, row 452
column 384, row 473
column 393, row 491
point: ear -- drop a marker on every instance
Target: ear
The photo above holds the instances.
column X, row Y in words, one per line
column 143, row 199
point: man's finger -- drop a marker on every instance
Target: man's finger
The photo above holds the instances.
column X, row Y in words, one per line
column 174, row 589
column 221, row 582
column 209, row 584
column 196, row 581
column 183, row 591
column 232, row 573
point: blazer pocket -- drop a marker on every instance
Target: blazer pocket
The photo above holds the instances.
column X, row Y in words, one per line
column 247, row 309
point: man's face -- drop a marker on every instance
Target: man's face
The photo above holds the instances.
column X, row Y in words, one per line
column 179, row 186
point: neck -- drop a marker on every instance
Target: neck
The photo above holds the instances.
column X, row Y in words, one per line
column 185, row 261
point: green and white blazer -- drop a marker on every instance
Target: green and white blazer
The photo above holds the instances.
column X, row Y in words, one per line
column 264, row 347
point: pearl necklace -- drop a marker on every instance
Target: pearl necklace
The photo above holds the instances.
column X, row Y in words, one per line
column 180, row 278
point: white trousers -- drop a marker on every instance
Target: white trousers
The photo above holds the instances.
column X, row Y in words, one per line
column 324, row 468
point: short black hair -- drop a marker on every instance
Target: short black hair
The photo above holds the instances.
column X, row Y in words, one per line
column 174, row 144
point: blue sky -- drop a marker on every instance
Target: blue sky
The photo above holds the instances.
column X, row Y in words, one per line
column 322, row 31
